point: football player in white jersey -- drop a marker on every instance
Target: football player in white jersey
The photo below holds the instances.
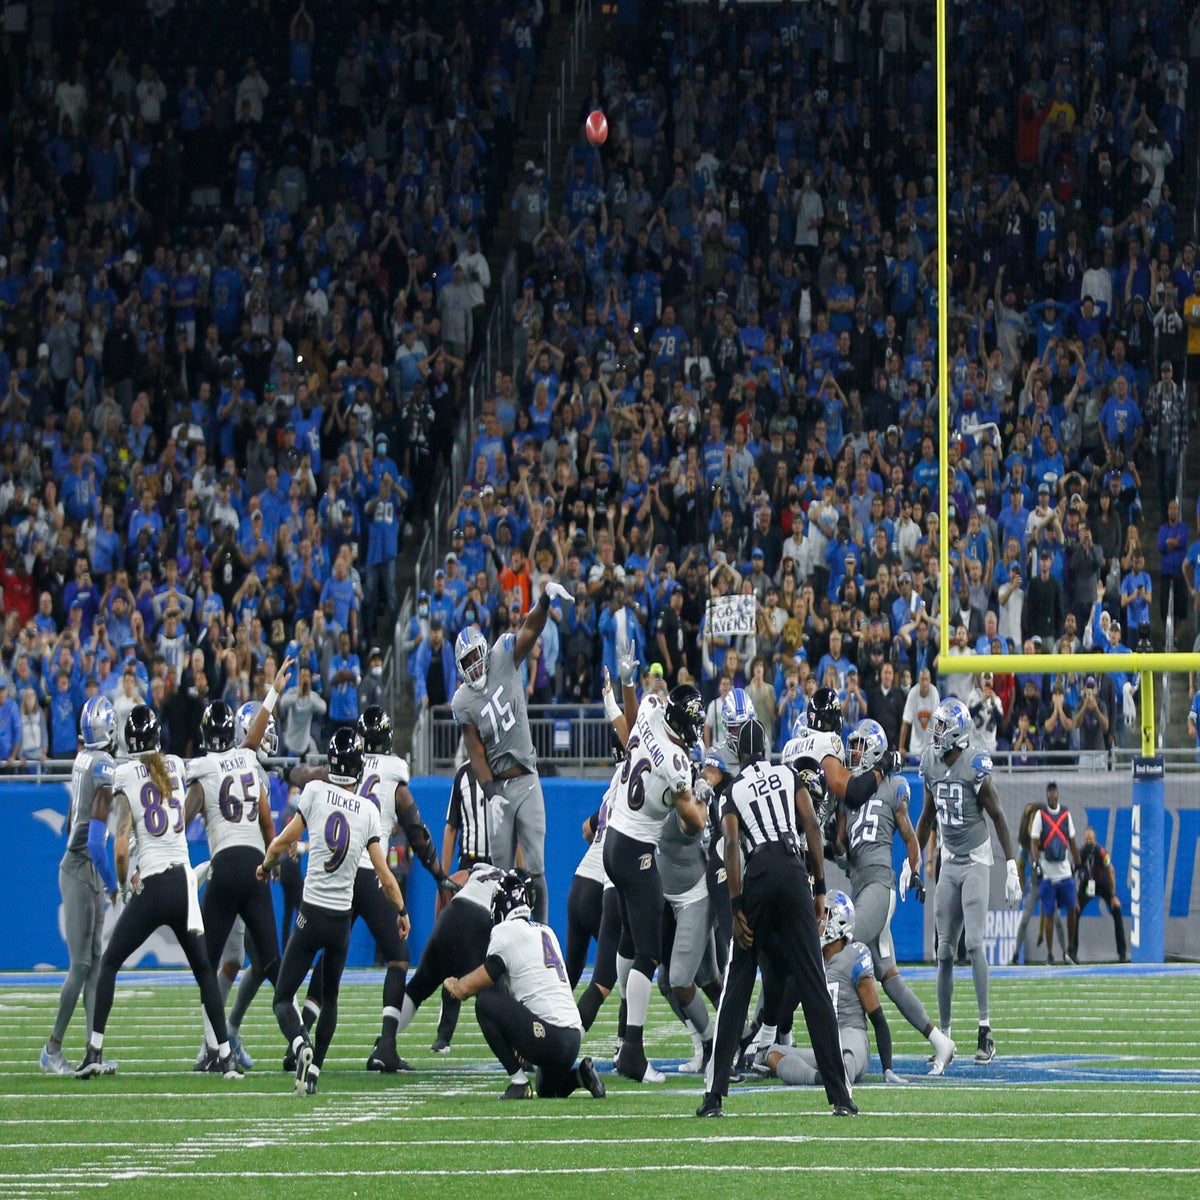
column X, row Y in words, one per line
column 85, row 874
column 532, row 1019
column 655, row 785
column 384, row 782
column 228, row 786
column 149, row 794
column 343, row 825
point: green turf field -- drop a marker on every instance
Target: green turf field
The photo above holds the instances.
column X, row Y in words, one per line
column 1094, row 1093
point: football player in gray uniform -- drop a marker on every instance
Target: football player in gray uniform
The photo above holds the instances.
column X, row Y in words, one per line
column 850, row 975
column 85, row 874
column 867, row 835
column 489, row 705
column 958, row 794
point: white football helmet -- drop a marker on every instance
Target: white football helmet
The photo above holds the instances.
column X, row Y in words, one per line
column 269, row 746
column 868, row 745
column 471, row 655
column 839, row 918
column 950, row 728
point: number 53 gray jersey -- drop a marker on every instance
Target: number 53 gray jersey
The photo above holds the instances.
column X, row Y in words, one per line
column 498, row 711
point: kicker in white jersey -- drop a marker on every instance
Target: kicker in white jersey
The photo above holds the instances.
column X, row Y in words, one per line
column 341, row 826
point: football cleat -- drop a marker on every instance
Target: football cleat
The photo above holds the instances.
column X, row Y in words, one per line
column 944, row 1050
column 91, row 1065
column 986, row 1050
column 846, row 1110
column 590, row 1079
column 289, row 1062
column 518, row 1091
column 108, row 1068
column 310, row 1081
column 711, row 1106
column 227, row 1066
column 633, row 1064
column 760, row 1066
column 55, row 1061
column 696, row 1063
column 206, row 1062
column 240, row 1053
column 441, row 1046
column 384, row 1058
column 304, row 1057
column 1070, row 959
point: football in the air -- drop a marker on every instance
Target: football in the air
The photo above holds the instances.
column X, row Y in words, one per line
column 597, row 127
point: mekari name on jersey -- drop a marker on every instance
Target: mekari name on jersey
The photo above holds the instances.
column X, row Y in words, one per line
column 960, row 815
column 158, row 820
column 232, row 783
column 341, row 826
column 655, row 770
column 381, row 775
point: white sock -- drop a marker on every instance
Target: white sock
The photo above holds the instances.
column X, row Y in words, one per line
column 637, row 998
column 223, row 1050
column 766, row 1035
column 97, row 1041
column 518, row 1076
column 407, row 1011
column 298, row 1044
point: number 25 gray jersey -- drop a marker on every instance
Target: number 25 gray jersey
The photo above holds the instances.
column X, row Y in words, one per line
column 498, row 711
column 869, row 833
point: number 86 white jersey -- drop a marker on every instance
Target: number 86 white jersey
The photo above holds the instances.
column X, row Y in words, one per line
column 654, row 771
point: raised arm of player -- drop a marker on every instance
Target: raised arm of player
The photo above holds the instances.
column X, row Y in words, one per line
column 535, row 620
column 258, row 727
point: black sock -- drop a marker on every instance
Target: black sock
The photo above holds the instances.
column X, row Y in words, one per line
column 622, row 1015
column 589, row 1005
column 633, row 1036
column 393, row 1000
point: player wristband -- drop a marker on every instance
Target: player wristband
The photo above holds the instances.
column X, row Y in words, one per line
column 612, row 710
column 271, row 700
column 544, row 602
column 818, row 887
column 735, row 903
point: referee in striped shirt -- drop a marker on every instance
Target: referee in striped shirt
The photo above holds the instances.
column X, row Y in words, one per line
column 775, row 914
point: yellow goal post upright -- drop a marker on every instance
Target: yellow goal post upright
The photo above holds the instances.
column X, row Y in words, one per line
column 1148, row 847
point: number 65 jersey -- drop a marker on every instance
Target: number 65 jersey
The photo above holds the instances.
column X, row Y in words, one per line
column 498, row 711
column 341, row 826
column 960, row 816
column 654, row 770
column 232, row 783
column 158, row 824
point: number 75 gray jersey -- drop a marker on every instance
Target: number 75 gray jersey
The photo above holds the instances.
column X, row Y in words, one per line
column 498, row 711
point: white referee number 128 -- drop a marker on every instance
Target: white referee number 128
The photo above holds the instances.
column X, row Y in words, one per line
column 499, row 712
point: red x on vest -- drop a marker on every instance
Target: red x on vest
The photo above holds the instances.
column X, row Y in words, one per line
column 1050, row 826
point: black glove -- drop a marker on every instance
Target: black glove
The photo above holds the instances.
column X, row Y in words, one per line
column 490, row 789
column 892, row 763
column 917, row 888
column 446, row 884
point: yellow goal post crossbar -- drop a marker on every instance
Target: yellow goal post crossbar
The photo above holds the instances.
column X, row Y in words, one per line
column 1143, row 665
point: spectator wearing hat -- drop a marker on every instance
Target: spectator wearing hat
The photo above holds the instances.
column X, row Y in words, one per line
column 919, row 706
column 1045, row 603
column 1092, row 720
column 434, row 674
column 1136, row 591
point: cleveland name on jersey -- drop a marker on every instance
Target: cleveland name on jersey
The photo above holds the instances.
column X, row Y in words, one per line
column 655, row 770
column 341, row 826
column 498, row 711
column 232, row 783
column 869, row 833
column 381, row 775
column 157, row 819
column 961, row 822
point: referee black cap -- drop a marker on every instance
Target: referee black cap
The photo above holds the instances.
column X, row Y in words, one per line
column 752, row 742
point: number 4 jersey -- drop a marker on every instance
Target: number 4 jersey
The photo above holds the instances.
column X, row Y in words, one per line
column 498, row 711
column 157, row 819
column 232, row 783
column 341, row 826
column 961, row 822
column 533, row 968
column 654, row 770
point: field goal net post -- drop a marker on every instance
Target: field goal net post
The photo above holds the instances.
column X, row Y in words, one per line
column 1148, row 850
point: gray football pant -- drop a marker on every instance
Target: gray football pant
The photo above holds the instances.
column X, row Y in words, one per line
column 962, row 900
column 691, row 960
column 83, row 914
column 799, row 1065
column 517, row 815
column 874, row 908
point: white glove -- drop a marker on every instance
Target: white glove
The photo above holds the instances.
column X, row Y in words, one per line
column 905, row 879
column 556, row 591
column 890, row 1076
column 626, row 660
column 1012, row 884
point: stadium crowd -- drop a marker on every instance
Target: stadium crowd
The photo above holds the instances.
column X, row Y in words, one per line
column 237, row 289
column 724, row 377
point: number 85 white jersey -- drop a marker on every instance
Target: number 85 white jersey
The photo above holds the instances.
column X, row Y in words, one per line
column 654, row 770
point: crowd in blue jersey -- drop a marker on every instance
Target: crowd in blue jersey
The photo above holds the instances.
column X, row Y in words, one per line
column 725, row 372
column 241, row 269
